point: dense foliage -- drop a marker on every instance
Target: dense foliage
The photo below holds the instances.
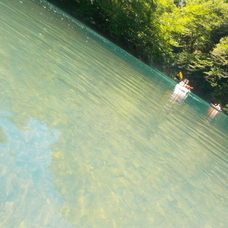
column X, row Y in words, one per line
column 180, row 35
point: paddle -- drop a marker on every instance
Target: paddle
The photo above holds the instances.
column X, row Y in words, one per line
column 181, row 76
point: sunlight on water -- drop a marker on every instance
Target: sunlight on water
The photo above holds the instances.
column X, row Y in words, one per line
column 91, row 137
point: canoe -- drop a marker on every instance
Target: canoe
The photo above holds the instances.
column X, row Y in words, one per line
column 182, row 88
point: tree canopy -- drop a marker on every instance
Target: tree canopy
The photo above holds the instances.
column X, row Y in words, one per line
column 181, row 35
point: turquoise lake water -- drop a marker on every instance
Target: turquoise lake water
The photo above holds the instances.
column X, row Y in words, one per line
column 90, row 137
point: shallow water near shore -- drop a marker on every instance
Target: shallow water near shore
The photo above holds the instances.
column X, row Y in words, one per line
column 91, row 137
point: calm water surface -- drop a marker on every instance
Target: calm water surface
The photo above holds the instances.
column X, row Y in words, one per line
column 90, row 137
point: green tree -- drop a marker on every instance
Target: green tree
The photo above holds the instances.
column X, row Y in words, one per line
column 132, row 24
column 175, row 35
column 195, row 31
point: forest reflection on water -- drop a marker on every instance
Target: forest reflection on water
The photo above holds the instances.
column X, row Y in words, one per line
column 91, row 137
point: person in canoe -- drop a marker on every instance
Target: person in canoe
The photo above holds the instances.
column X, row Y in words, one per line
column 217, row 107
column 213, row 111
column 185, row 84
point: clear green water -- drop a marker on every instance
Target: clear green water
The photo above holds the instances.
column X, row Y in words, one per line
column 90, row 137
